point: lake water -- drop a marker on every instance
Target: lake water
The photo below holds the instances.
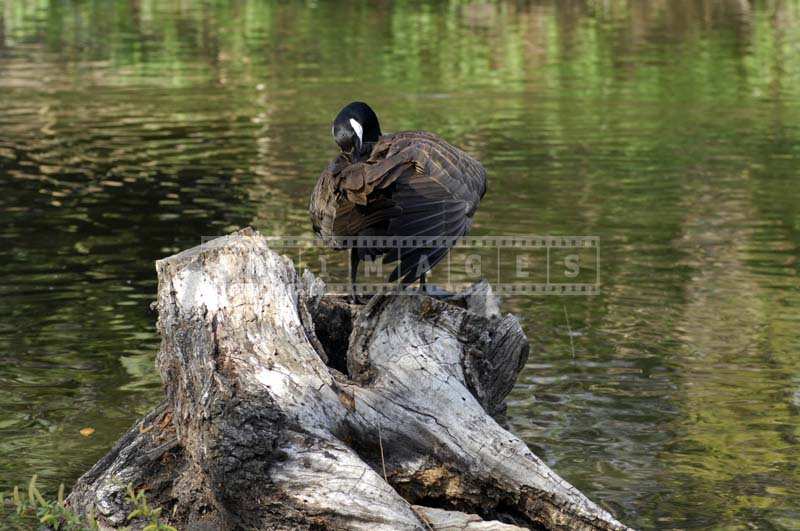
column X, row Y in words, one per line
column 668, row 129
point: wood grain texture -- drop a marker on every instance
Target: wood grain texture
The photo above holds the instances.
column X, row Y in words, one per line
column 394, row 432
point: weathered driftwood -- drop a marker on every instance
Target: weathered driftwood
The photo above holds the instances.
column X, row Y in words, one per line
column 289, row 410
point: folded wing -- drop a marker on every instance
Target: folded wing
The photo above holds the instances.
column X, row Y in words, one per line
column 414, row 185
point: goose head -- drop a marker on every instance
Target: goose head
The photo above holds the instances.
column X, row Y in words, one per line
column 356, row 129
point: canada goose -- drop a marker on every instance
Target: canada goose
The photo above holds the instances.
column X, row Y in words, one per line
column 405, row 184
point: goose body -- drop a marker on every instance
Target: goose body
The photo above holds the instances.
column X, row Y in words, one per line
column 401, row 185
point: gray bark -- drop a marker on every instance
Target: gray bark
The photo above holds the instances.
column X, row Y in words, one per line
column 286, row 409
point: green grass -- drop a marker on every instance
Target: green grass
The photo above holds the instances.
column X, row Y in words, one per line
column 30, row 510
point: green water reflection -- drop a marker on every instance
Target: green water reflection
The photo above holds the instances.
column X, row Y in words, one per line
column 670, row 129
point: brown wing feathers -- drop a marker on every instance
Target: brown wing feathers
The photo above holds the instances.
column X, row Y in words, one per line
column 413, row 184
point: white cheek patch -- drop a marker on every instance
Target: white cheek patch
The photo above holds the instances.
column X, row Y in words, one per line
column 358, row 129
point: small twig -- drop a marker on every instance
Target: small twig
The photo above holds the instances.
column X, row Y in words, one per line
column 380, row 444
column 158, row 451
column 422, row 518
column 569, row 332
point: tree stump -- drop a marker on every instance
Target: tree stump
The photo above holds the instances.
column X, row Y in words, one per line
column 287, row 409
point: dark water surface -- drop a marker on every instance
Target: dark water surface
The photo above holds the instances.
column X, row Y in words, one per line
column 670, row 129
